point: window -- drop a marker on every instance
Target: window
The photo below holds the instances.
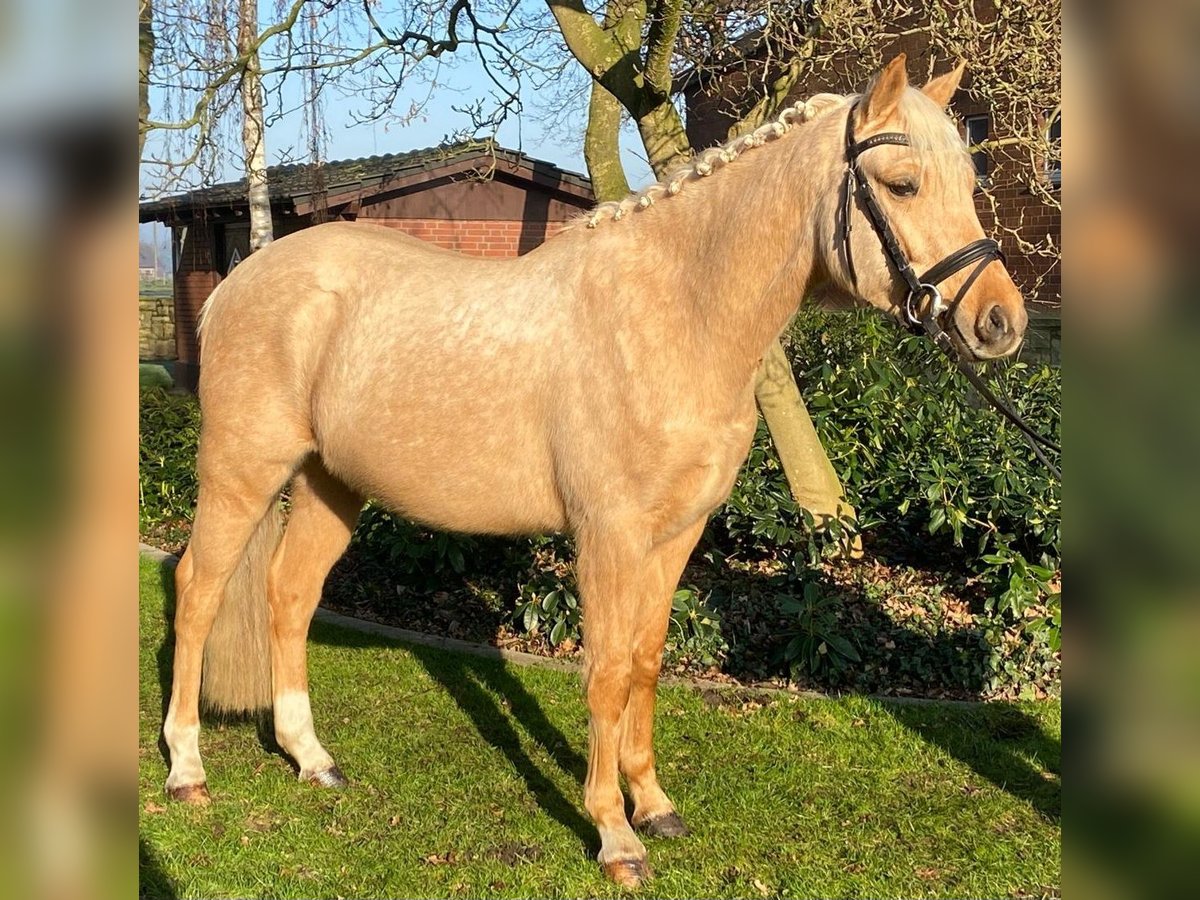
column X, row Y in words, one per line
column 1054, row 161
column 978, row 128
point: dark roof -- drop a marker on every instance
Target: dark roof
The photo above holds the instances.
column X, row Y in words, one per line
column 292, row 182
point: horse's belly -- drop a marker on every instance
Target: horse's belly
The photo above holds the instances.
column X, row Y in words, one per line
column 453, row 480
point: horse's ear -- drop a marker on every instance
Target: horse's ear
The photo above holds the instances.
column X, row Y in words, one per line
column 941, row 89
column 884, row 93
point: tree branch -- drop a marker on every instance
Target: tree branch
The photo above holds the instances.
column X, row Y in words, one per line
column 616, row 67
column 660, row 44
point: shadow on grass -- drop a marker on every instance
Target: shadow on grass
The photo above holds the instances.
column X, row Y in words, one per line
column 165, row 657
column 475, row 684
column 153, row 882
column 999, row 741
column 497, row 703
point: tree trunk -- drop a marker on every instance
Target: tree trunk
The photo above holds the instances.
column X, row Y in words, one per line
column 664, row 138
column 601, row 145
column 145, row 57
column 253, row 131
column 810, row 475
column 602, row 141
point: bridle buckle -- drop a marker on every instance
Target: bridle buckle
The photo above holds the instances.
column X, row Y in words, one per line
column 937, row 303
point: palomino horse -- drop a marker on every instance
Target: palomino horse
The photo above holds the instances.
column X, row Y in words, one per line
column 603, row 384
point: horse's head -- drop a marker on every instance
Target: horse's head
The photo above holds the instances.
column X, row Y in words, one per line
column 907, row 172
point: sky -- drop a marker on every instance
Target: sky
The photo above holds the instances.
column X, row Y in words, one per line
column 458, row 83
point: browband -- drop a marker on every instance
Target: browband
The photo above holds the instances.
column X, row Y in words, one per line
column 875, row 140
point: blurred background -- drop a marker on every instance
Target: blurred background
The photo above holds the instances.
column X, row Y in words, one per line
column 68, row 235
column 1131, row 81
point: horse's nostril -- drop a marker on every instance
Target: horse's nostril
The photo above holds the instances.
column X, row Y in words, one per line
column 997, row 320
column 994, row 326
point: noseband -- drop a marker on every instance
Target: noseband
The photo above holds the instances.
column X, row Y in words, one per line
column 923, row 290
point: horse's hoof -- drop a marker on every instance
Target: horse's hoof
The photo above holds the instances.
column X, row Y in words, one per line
column 628, row 873
column 667, row 825
column 329, row 778
column 191, row 794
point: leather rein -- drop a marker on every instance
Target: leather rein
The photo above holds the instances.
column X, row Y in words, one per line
column 924, row 305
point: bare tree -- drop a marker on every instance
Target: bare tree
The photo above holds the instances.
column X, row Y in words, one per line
column 145, row 58
column 371, row 53
column 254, row 145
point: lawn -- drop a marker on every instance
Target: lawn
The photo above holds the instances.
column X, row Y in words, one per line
column 466, row 781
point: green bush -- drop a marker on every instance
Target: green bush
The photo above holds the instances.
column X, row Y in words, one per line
column 169, row 429
column 695, row 629
column 411, row 551
column 929, row 466
column 815, row 640
column 556, row 615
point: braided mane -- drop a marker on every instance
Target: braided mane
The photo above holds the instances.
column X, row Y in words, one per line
column 708, row 161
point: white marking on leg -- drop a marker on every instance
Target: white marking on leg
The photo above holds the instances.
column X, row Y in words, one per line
column 619, row 843
column 184, row 743
column 295, row 734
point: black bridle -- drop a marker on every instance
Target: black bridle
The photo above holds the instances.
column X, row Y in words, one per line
column 924, row 306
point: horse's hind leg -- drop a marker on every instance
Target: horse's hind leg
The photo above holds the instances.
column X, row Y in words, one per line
column 234, row 500
column 323, row 515
column 653, row 811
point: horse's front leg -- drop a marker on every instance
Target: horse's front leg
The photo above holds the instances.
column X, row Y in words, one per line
column 612, row 568
column 653, row 811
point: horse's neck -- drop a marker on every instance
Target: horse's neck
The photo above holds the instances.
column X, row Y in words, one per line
column 749, row 256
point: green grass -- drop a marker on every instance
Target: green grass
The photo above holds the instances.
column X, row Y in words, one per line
column 467, row 782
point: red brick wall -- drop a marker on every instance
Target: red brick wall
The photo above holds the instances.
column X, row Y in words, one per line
column 477, row 237
column 1039, row 223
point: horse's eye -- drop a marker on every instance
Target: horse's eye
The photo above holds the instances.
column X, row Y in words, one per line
column 906, row 188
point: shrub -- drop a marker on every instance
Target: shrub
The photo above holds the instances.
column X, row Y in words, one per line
column 815, row 642
column 169, row 429
column 930, row 466
column 556, row 615
column 406, row 549
column 695, row 629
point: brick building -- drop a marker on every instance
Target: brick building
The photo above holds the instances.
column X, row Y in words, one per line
column 480, row 200
column 719, row 96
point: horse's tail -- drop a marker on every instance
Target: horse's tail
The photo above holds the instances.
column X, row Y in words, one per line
column 237, row 657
